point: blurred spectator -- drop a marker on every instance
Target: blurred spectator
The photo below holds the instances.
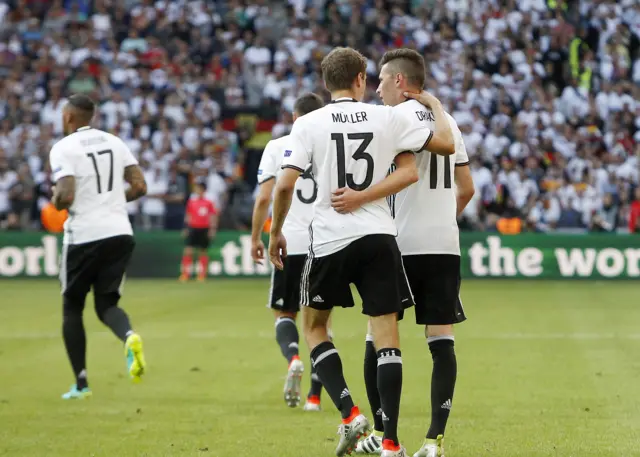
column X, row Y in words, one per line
column 545, row 94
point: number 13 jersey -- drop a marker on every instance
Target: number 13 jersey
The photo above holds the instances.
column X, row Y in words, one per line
column 96, row 160
column 296, row 225
column 350, row 144
column 425, row 212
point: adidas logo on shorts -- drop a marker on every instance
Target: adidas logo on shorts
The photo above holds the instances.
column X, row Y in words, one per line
column 318, row 299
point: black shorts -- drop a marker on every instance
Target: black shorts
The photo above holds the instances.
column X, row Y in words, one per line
column 100, row 265
column 435, row 284
column 198, row 238
column 372, row 263
column 284, row 294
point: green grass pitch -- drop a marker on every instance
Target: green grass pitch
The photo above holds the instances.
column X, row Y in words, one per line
column 545, row 369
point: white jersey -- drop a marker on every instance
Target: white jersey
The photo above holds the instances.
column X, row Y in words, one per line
column 350, row 144
column 425, row 212
column 97, row 160
column 296, row 225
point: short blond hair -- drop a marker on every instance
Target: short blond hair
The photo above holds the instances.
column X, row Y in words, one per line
column 341, row 67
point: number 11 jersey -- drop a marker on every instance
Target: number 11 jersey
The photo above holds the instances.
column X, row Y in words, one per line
column 296, row 225
column 425, row 212
column 350, row 144
column 96, row 160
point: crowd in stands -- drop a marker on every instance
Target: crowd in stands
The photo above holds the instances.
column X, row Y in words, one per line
column 546, row 93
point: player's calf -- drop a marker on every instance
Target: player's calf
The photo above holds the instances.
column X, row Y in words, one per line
column 112, row 316
column 75, row 342
column 186, row 264
column 288, row 339
column 441, row 344
column 389, row 376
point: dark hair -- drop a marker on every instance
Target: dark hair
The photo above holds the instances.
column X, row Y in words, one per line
column 83, row 104
column 341, row 67
column 307, row 103
column 408, row 62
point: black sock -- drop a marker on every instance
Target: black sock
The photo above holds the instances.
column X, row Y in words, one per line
column 117, row 320
column 329, row 367
column 75, row 342
column 443, row 382
column 287, row 337
column 371, row 382
column 316, row 384
column 390, row 388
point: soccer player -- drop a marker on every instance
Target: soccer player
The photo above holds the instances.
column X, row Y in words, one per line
column 425, row 215
column 351, row 146
column 90, row 168
column 201, row 220
column 284, row 294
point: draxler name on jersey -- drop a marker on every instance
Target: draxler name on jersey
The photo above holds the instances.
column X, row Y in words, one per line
column 425, row 116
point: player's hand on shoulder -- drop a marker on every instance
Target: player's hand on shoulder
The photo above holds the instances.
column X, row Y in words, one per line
column 346, row 200
column 277, row 249
column 257, row 251
column 426, row 98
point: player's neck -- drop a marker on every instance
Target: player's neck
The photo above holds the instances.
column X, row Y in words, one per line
column 75, row 128
column 413, row 90
column 343, row 94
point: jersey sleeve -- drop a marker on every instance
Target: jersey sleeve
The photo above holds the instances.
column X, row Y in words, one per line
column 298, row 156
column 212, row 208
column 462, row 158
column 61, row 163
column 409, row 135
column 267, row 168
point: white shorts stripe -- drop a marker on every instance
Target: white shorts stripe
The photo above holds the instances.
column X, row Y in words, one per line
column 323, row 356
column 63, row 268
column 306, row 271
column 121, row 286
column 273, row 278
column 407, row 280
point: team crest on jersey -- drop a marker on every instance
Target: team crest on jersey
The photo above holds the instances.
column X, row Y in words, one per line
column 288, row 152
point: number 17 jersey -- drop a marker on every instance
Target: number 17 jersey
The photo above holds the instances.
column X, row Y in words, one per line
column 96, row 160
column 296, row 225
column 350, row 144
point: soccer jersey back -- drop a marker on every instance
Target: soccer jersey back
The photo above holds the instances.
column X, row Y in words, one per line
column 97, row 160
column 425, row 212
column 350, row 144
column 296, row 225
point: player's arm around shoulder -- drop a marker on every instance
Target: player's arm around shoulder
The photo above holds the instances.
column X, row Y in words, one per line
column 442, row 140
column 346, row 200
column 137, row 184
